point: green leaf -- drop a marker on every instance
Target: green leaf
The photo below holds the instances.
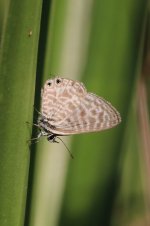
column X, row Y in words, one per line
column 19, row 43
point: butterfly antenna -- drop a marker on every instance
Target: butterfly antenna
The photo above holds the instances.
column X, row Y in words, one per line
column 71, row 155
column 37, row 110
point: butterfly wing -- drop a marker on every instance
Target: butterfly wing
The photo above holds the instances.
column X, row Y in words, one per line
column 69, row 109
column 92, row 114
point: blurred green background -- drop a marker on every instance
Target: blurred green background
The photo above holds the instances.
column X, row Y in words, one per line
column 104, row 44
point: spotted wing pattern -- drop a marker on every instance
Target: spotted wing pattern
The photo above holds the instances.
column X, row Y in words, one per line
column 70, row 109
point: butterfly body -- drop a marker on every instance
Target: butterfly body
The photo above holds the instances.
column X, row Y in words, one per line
column 67, row 108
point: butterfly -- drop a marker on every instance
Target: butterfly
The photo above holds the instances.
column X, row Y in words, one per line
column 67, row 108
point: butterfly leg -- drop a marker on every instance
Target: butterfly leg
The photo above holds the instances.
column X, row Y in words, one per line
column 33, row 124
column 35, row 139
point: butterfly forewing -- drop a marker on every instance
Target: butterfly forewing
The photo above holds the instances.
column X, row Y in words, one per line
column 69, row 109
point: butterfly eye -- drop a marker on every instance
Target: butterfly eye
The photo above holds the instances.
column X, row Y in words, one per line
column 58, row 81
